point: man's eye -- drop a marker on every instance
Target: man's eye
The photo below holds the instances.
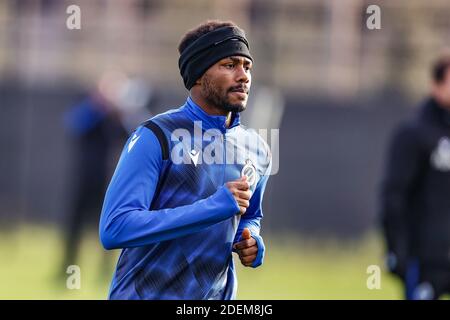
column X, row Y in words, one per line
column 229, row 66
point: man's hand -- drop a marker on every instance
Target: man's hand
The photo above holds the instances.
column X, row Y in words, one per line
column 241, row 192
column 396, row 264
column 247, row 248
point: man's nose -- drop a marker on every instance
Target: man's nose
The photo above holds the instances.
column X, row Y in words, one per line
column 242, row 75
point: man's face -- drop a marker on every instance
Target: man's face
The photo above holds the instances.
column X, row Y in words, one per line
column 442, row 90
column 226, row 84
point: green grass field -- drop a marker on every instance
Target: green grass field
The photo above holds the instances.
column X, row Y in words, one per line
column 30, row 260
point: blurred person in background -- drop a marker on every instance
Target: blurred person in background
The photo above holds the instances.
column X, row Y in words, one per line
column 415, row 197
column 98, row 126
column 178, row 222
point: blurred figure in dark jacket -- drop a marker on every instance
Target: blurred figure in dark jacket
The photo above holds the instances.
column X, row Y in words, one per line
column 99, row 127
column 416, row 194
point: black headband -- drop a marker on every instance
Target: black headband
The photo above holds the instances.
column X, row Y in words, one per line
column 210, row 48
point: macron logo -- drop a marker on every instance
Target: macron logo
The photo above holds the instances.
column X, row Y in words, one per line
column 133, row 142
column 194, row 156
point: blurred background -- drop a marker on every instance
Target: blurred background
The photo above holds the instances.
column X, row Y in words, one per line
column 334, row 88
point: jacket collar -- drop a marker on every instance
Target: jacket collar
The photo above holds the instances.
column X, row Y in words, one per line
column 433, row 111
column 196, row 113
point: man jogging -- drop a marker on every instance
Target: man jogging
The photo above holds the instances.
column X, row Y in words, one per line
column 188, row 188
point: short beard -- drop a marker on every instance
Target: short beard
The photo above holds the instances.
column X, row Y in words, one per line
column 214, row 96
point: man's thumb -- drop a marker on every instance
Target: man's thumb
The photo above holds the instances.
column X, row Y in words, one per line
column 246, row 234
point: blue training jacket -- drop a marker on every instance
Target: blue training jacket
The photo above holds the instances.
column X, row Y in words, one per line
column 168, row 210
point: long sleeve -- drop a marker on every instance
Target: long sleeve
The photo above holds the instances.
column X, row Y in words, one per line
column 403, row 167
column 126, row 220
column 252, row 219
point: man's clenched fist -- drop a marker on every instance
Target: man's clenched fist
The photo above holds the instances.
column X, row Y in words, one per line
column 241, row 192
column 247, row 248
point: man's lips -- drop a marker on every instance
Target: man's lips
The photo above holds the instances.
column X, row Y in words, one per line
column 240, row 94
column 240, row 90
